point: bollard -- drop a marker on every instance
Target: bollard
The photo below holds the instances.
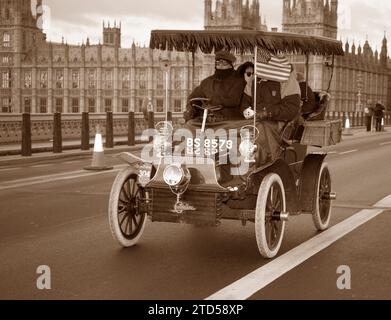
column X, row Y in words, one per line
column 151, row 123
column 57, row 133
column 109, row 130
column 131, row 130
column 85, row 131
column 26, row 135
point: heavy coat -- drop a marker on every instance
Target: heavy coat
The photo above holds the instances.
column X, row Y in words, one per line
column 226, row 92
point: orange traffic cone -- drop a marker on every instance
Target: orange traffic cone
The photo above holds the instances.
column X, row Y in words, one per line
column 98, row 159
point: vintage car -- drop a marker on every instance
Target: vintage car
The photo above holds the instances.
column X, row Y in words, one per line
column 181, row 189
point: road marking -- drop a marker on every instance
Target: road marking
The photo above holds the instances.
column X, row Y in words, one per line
column 41, row 166
column 348, row 152
column 72, row 162
column 385, row 143
column 56, row 177
column 262, row 277
column 9, row 169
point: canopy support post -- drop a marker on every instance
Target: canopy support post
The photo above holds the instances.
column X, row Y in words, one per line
column 307, row 65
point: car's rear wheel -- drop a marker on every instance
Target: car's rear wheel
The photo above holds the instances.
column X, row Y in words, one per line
column 269, row 229
column 127, row 220
column 322, row 212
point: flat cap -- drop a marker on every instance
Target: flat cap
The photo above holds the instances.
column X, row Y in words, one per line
column 225, row 55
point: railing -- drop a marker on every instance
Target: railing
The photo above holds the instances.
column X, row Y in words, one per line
column 28, row 128
column 356, row 119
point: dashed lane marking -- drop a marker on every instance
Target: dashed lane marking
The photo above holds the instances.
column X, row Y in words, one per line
column 42, row 165
column 385, row 143
column 348, row 152
column 9, row 169
column 56, row 177
column 262, row 277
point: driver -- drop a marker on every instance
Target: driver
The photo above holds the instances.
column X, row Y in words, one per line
column 224, row 89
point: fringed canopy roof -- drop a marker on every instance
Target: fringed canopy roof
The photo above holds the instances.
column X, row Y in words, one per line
column 243, row 41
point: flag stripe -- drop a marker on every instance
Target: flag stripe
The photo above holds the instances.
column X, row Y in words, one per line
column 263, row 66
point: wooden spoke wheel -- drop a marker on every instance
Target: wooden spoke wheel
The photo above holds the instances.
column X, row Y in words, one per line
column 269, row 229
column 322, row 212
column 127, row 221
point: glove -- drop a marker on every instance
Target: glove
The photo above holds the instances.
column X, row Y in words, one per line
column 249, row 113
column 263, row 115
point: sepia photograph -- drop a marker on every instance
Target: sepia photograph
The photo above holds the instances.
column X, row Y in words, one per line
column 215, row 151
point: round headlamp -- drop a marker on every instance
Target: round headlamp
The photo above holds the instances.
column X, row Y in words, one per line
column 174, row 175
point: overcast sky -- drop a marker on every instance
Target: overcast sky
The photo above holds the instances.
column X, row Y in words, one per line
column 75, row 19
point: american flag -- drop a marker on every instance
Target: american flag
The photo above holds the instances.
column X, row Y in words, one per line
column 271, row 67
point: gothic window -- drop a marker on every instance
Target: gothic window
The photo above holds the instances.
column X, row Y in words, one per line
column 159, row 105
column 125, row 105
column 6, row 105
column 142, row 79
column 43, row 105
column 91, row 105
column 177, row 105
column 125, row 79
column 27, row 105
column 5, row 80
column 91, row 79
column 108, row 105
column 43, row 79
column 108, row 79
column 6, row 39
column 160, row 80
column 5, row 60
column 75, row 79
column 27, row 79
column 59, row 79
column 75, row 105
column 178, row 76
column 59, row 105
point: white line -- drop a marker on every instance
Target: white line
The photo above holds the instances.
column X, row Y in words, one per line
column 259, row 279
column 53, row 178
column 347, row 152
column 332, row 152
column 41, row 166
column 9, row 169
column 71, row 162
column 385, row 143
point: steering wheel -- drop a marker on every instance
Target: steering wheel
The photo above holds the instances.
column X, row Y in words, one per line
column 204, row 104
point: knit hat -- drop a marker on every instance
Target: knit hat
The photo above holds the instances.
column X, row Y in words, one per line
column 225, row 55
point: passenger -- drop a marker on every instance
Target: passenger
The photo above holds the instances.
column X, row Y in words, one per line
column 225, row 88
column 246, row 71
column 307, row 96
column 277, row 104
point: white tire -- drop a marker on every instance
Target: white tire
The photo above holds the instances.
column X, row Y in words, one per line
column 322, row 213
column 127, row 224
column 270, row 232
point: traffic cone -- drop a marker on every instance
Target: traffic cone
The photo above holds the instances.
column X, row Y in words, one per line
column 347, row 131
column 98, row 159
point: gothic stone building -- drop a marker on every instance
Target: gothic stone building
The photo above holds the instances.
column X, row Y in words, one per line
column 38, row 76
column 361, row 78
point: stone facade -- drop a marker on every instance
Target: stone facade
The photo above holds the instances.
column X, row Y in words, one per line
column 38, row 76
column 42, row 77
column 360, row 79
column 233, row 15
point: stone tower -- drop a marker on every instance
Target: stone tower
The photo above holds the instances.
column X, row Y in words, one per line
column 312, row 17
column 112, row 35
column 233, row 15
column 20, row 34
column 384, row 53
